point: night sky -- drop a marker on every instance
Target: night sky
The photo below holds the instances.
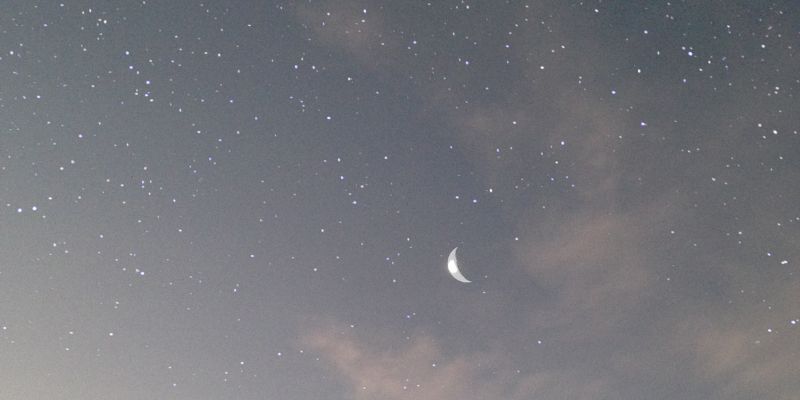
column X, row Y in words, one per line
column 256, row 200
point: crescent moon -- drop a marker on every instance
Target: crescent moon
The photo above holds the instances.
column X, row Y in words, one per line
column 452, row 267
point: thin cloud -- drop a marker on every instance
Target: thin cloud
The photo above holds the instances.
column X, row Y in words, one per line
column 420, row 370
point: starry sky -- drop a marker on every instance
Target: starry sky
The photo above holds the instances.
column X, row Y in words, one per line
column 256, row 200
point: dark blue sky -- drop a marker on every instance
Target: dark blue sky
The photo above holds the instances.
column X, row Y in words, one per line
column 207, row 200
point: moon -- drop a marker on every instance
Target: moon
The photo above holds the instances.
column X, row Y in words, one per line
column 452, row 267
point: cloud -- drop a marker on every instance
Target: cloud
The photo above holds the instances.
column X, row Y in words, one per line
column 750, row 353
column 600, row 250
column 345, row 26
column 420, row 370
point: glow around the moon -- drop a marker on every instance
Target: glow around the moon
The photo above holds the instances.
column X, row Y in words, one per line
column 452, row 267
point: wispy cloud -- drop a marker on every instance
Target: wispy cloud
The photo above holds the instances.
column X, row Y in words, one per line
column 627, row 297
column 420, row 369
